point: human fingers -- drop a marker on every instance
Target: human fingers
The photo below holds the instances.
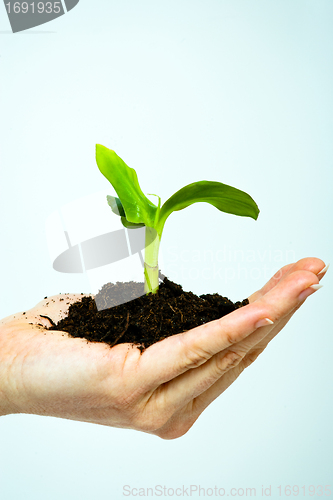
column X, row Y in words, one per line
column 312, row 264
column 270, row 283
column 181, row 353
column 281, row 324
column 183, row 418
column 189, row 385
column 261, row 338
column 253, row 345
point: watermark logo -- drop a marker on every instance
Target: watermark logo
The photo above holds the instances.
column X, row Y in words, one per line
column 25, row 15
column 85, row 237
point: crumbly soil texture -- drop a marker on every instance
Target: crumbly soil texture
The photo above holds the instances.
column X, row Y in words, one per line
column 121, row 313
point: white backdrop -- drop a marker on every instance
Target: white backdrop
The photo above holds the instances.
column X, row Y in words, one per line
column 237, row 91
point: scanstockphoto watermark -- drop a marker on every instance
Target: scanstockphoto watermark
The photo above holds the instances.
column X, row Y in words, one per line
column 195, row 490
column 226, row 264
column 224, row 273
column 25, row 15
column 227, row 255
column 187, row 491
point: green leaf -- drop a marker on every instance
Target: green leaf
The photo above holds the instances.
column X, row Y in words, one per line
column 226, row 198
column 130, row 225
column 116, row 206
column 118, row 209
column 138, row 208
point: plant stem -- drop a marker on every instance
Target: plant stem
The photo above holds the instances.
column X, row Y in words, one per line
column 152, row 245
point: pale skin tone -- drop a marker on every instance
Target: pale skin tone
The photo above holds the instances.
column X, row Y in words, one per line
column 162, row 391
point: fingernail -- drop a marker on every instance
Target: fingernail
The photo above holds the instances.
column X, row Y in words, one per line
column 309, row 291
column 316, row 287
column 323, row 271
column 264, row 322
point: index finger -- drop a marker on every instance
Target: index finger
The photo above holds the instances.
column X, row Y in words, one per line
column 312, row 264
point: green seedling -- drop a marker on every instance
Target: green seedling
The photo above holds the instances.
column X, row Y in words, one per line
column 136, row 210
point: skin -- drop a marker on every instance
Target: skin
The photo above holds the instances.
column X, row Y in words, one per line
column 162, row 391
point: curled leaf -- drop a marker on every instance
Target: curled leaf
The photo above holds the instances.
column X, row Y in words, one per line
column 138, row 208
column 116, row 206
column 226, row 198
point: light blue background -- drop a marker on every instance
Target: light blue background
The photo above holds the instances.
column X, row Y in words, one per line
column 238, row 91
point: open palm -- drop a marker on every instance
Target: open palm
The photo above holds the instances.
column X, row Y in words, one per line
column 161, row 391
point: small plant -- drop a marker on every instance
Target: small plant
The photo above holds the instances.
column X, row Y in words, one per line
column 136, row 210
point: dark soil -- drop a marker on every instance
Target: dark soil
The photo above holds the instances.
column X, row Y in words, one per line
column 144, row 320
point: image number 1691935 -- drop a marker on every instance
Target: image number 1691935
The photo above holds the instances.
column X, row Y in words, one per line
column 26, row 15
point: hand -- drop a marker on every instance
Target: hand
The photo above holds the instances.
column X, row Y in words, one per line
column 162, row 391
